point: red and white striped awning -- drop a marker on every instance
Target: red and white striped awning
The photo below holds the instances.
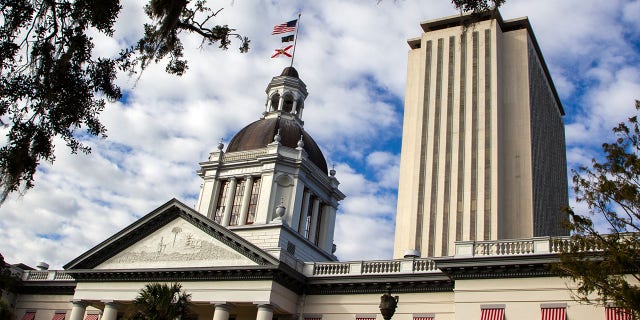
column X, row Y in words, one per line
column 91, row 317
column 554, row 314
column 28, row 316
column 492, row 314
column 312, row 318
column 617, row 313
column 58, row 316
column 365, row 318
column 422, row 318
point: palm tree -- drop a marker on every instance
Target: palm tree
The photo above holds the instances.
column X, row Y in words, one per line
column 161, row 301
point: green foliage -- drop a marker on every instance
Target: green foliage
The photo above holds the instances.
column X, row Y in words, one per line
column 5, row 311
column 607, row 263
column 52, row 85
column 8, row 281
column 477, row 6
column 161, row 301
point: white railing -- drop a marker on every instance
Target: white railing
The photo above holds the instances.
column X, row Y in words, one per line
column 399, row 266
column 538, row 245
column 243, row 155
column 424, row 265
column 46, row 275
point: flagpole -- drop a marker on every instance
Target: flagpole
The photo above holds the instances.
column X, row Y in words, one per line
column 295, row 40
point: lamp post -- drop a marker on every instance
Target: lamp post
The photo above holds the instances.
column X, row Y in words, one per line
column 388, row 304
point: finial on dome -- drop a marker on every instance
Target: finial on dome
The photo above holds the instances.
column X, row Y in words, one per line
column 220, row 144
column 332, row 172
column 277, row 137
column 300, row 142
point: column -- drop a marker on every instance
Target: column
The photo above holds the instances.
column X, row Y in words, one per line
column 314, row 218
column 303, row 212
column 246, row 197
column 110, row 311
column 265, row 312
column 215, row 194
column 77, row 310
column 280, row 102
column 226, row 217
column 324, row 222
column 221, row 311
column 330, row 228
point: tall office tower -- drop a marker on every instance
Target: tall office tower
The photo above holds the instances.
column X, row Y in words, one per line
column 483, row 150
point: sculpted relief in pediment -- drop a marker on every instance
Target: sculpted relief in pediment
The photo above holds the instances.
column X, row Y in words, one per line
column 177, row 244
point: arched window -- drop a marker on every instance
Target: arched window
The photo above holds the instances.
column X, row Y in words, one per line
column 275, row 100
column 288, row 103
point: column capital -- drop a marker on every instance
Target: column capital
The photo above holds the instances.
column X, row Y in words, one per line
column 79, row 303
column 264, row 304
column 223, row 305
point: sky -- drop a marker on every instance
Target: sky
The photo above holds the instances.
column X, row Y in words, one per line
column 352, row 55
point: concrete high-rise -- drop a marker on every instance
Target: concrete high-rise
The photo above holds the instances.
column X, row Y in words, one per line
column 483, row 150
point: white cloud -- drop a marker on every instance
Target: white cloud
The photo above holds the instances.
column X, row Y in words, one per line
column 352, row 56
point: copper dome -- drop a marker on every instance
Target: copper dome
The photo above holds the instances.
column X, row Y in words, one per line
column 260, row 133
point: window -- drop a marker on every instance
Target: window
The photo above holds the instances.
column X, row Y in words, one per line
column 29, row 315
column 617, row 313
column 253, row 202
column 316, row 240
column 275, row 99
column 554, row 311
column 59, row 316
column 492, row 314
column 307, row 230
column 237, row 203
column 429, row 316
column 222, row 200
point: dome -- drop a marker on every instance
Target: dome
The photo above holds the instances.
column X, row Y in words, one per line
column 261, row 133
column 290, row 72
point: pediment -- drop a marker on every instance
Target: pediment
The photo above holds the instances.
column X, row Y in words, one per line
column 172, row 236
column 177, row 244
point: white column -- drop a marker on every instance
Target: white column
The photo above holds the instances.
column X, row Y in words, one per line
column 77, row 310
column 110, row 311
column 265, row 312
column 314, row 217
column 303, row 212
column 325, row 219
column 215, row 193
column 329, row 228
column 246, row 198
column 231, row 194
column 221, row 311
column 280, row 102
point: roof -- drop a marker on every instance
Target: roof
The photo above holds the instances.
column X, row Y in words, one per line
column 262, row 132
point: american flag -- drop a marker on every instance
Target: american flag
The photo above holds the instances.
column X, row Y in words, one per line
column 285, row 27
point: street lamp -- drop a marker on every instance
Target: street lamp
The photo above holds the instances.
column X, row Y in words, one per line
column 388, row 304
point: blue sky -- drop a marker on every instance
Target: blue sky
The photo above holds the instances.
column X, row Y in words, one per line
column 352, row 56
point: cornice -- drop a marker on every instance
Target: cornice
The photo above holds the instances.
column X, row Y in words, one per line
column 177, row 274
column 498, row 267
column 47, row 287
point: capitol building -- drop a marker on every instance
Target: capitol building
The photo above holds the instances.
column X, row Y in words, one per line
column 482, row 182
